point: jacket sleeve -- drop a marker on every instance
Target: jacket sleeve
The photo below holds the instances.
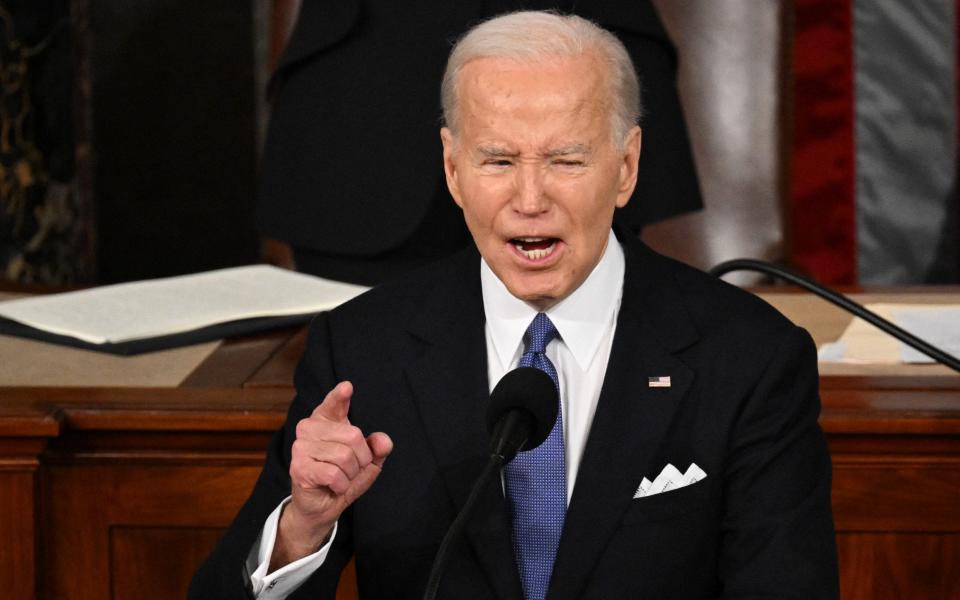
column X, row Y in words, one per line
column 224, row 574
column 777, row 527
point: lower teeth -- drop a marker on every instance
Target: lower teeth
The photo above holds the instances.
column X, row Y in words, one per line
column 535, row 254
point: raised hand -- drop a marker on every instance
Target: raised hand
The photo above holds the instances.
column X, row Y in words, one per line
column 332, row 465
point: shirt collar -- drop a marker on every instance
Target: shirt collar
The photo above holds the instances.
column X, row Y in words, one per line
column 581, row 318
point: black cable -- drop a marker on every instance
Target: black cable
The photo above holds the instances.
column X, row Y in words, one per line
column 493, row 466
column 746, row 264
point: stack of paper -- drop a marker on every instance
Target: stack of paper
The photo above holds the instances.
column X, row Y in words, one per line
column 248, row 298
column 863, row 343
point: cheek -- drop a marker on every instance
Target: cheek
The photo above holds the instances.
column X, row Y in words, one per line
column 482, row 200
column 474, row 213
column 589, row 209
column 478, row 221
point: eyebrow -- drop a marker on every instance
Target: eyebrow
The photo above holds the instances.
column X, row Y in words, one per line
column 567, row 150
column 499, row 152
column 495, row 151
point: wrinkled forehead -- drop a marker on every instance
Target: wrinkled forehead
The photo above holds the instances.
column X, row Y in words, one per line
column 492, row 88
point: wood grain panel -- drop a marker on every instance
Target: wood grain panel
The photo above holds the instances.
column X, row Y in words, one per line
column 882, row 566
column 278, row 370
column 238, row 359
column 922, row 496
column 18, row 528
column 87, row 501
column 149, row 563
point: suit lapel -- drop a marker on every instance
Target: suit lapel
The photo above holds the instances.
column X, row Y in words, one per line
column 631, row 418
column 448, row 379
column 449, row 383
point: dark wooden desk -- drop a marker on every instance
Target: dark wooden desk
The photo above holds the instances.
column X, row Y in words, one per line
column 120, row 492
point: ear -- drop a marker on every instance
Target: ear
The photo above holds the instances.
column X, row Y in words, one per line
column 629, row 166
column 450, row 164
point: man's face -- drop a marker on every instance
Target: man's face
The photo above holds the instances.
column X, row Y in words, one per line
column 536, row 172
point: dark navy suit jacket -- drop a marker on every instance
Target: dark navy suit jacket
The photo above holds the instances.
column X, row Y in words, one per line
column 743, row 405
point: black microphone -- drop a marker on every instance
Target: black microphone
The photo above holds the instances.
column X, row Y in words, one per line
column 523, row 408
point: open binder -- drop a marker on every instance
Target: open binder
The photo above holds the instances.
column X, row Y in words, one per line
column 143, row 316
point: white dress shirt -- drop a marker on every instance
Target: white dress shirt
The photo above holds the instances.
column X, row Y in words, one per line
column 585, row 321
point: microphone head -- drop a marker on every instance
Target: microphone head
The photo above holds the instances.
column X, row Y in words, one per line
column 529, row 391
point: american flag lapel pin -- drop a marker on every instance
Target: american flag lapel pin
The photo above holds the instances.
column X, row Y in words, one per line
column 662, row 381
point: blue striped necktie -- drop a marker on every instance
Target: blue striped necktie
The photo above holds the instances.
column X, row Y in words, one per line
column 536, row 481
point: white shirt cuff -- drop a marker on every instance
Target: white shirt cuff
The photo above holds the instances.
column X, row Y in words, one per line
column 283, row 581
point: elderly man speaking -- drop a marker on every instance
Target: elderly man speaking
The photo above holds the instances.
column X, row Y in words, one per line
column 685, row 461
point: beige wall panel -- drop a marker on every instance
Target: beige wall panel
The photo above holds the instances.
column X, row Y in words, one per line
column 729, row 85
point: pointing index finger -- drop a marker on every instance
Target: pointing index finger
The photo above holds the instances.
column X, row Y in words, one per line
column 336, row 405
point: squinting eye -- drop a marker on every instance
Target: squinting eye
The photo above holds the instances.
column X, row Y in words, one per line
column 569, row 163
column 497, row 163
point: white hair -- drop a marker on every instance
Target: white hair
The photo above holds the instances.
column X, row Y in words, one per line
column 533, row 36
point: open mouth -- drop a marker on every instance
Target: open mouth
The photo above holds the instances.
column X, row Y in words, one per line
column 535, row 248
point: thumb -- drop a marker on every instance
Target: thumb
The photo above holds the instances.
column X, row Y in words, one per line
column 336, row 405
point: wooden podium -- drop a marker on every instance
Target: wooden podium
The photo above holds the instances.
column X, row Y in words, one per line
column 119, row 491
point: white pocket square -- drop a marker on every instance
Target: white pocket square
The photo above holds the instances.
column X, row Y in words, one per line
column 669, row 479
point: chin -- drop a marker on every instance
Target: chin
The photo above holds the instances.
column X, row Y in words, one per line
column 540, row 296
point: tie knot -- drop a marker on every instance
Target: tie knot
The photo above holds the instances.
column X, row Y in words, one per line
column 539, row 334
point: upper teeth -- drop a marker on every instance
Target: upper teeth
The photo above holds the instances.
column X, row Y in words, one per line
column 536, row 254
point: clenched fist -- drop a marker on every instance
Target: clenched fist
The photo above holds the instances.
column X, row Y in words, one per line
column 332, row 465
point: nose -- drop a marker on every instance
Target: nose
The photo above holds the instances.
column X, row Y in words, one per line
column 530, row 197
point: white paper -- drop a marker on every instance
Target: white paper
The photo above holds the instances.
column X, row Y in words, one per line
column 144, row 309
column 863, row 343
column 939, row 326
column 832, row 351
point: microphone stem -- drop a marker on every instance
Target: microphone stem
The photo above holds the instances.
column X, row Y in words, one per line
column 433, row 583
column 747, row 264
